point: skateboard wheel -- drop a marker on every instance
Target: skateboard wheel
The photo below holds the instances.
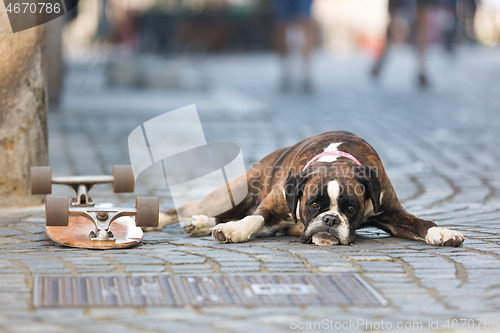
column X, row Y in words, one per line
column 41, row 180
column 148, row 212
column 123, row 179
column 56, row 211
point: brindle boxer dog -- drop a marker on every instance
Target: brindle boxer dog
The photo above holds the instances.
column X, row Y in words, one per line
column 322, row 189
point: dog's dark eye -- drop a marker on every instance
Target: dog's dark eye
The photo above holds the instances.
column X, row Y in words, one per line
column 314, row 205
column 351, row 209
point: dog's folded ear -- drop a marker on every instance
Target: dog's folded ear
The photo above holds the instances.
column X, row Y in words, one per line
column 294, row 188
column 369, row 178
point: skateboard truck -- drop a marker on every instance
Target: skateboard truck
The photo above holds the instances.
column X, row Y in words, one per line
column 122, row 179
column 61, row 213
column 102, row 219
column 82, row 198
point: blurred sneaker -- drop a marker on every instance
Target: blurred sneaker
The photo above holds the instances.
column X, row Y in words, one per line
column 423, row 82
column 375, row 72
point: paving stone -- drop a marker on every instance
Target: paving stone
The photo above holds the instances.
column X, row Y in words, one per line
column 370, row 258
column 385, row 277
column 30, row 228
column 32, row 237
column 236, row 269
column 94, row 269
column 289, row 269
column 284, row 265
column 41, row 263
column 9, row 241
column 238, row 263
column 7, row 232
column 201, row 266
column 337, row 269
column 144, row 268
column 94, row 261
column 381, row 266
column 182, row 259
column 131, row 259
column 5, row 264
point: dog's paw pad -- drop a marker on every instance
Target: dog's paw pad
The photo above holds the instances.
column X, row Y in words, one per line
column 187, row 225
column 444, row 237
column 218, row 235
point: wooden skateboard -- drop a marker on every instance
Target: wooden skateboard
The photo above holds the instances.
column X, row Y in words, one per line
column 83, row 223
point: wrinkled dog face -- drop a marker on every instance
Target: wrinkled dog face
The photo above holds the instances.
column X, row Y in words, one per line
column 331, row 208
column 332, row 211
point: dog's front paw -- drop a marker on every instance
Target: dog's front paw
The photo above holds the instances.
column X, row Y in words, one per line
column 229, row 233
column 443, row 236
column 198, row 225
column 324, row 239
column 238, row 231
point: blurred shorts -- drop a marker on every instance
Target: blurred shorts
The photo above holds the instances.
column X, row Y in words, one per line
column 397, row 4
column 292, row 9
column 427, row 2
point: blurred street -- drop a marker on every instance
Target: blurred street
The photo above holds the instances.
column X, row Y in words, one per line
column 439, row 147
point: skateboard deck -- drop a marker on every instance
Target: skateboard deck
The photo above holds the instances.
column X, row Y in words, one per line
column 76, row 234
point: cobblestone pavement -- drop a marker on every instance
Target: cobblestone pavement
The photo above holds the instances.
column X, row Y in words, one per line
column 440, row 149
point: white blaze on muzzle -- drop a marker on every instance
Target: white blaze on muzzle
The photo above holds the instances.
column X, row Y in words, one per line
column 342, row 228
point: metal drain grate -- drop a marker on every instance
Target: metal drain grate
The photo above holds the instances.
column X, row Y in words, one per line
column 217, row 290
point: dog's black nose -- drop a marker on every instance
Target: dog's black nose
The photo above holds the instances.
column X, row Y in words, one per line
column 331, row 220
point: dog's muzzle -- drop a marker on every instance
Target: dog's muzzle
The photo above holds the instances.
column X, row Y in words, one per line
column 328, row 223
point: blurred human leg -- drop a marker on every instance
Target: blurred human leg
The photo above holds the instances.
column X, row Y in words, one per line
column 294, row 13
column 308, row 44
column 394, row 7
column 306, row 24
column 284, row 14
column 424, row 8
column 283, row 51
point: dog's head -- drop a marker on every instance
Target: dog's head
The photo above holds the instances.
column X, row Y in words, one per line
column 331, row 201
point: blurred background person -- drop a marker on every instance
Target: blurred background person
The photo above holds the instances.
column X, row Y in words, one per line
column 296, row 14
column 450, row 24
column 419, row 11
